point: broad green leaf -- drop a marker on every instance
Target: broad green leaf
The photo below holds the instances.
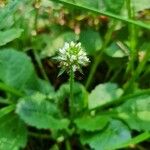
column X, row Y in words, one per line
column 7, row 12
column 113, row 5
column 13, row 133
column 117, row 51
column 17, row 71
column 104, row 93
column 9, row 35
column 39, row 112
column 16, row 68
column 54, row 42
column 111, row 138
column 90, row 40
column 135, row 112
column 91, row 123
column 4, row 111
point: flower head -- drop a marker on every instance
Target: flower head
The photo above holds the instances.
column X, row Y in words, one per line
column 72, row 55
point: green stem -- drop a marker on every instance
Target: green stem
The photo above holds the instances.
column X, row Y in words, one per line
column 114, row 76
column 11, row 90
column 138, row 139
column 37, row 135
column 38, row 60
column 71, row 81
column 137, row 72
column 105, row 13
column 68, row 145
column 4, row 101
column 98, row 58
column 133, row 40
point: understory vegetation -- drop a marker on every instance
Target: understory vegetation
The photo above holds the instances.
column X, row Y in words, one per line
column 74, row 74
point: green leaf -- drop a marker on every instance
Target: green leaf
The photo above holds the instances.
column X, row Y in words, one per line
column 91, row 123
column 117, row 50
column 17, row 71
column 80, row 96
column 39, row 112
column 9, row 35
column 90, row 40
column 89, row 3
column 16, row 68
column 4, row 111
column 104, row 93
column 7, row 12
column 54, row 42
column 111, row 138
column 135, row 112
column 113, row 5
column 138, row 139
column 13, row 135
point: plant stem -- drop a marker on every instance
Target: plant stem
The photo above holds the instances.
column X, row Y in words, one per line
column 68, row 145
column 137, row 71
column 71, row 81
column 94, row 66
column 133, row 40
column 105, row 13
column 11, row 90
column 37, row 135
column 98, row 58
column 5, row 101
column 38, row 60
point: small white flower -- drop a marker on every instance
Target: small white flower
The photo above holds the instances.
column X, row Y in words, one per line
column 72, row 55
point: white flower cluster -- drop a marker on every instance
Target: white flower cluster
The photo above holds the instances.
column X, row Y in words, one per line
column 72, row 55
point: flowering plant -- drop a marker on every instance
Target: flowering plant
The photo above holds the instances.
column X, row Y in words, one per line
column 72, row 56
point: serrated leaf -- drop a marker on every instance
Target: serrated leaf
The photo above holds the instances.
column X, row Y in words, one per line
column 13, row 133
column 17, row 71
column 135, row 112
column 111, row 138
column 91, row 123
column 90, row 40
column 37, row 111
column 9, row 35
column 16, row 68
column 104, row 93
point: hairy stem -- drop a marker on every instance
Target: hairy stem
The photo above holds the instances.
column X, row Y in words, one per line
column 71, row 82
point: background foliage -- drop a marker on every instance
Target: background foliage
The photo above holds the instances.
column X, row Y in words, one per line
column 111, row 98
